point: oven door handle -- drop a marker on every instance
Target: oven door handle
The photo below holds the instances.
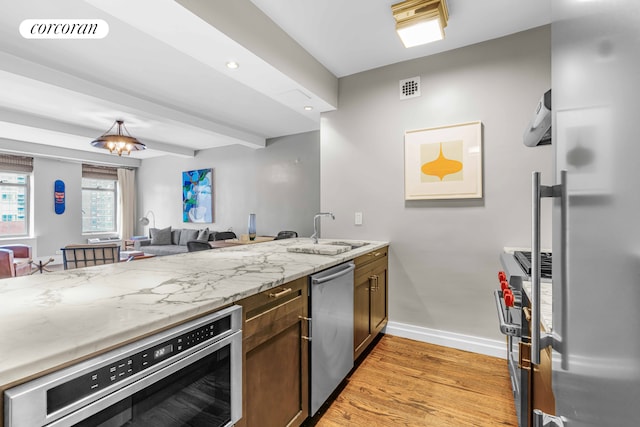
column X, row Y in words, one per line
column 510, row 329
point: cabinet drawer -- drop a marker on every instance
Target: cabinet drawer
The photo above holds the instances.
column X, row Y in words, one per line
column 379, row 264
column 371, row 257
column 270, row 312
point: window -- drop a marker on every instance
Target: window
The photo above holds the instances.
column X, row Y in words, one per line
column 14, row 201
column 15, row 174
column 99, row 199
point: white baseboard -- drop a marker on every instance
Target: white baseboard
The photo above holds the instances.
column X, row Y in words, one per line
column 495, row 348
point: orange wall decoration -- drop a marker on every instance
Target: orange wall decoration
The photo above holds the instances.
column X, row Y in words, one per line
column 441, row 166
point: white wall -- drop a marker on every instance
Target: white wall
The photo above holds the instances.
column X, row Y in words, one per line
column 50, row 230
column 53, row 231
column 444, row 254
column 279, row 183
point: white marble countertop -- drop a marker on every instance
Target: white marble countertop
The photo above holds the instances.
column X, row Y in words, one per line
column 546, row 302
column 49, row 319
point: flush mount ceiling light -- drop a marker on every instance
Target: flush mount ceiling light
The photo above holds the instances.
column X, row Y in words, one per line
column 118, row 143
column 232, row 65
column 420, row 21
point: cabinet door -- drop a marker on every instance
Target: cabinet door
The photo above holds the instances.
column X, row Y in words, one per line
column 541, row 388
column 361, row 310
column 276, row 364
column 378, row 299
column 274, row 380
column 370, row 298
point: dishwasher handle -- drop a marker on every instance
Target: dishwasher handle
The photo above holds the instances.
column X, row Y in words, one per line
column 348, row 268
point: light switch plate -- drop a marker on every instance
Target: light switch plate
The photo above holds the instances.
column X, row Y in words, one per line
column 358, row 218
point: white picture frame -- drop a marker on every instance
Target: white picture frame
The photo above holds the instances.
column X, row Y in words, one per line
column 443, row 162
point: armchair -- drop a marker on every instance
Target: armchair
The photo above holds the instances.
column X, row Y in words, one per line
column 15, row 260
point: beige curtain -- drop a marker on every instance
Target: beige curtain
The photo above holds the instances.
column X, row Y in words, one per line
column 127, row 201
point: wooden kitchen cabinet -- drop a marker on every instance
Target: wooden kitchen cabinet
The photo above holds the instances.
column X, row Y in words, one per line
column 276, row 355
column 370, row 298
column 541, row 388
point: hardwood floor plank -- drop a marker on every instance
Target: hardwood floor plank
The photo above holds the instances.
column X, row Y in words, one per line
column 403, row 382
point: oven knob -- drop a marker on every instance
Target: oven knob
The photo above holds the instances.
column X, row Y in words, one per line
column 508, row 298
column 504, row 285
column 502, row 276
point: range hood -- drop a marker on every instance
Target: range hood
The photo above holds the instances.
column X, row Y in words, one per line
column 539, row 130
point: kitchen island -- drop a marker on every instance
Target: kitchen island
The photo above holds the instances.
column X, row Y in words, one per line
column 48, row 321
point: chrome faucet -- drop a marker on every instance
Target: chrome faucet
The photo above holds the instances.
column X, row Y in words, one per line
column 316, row 221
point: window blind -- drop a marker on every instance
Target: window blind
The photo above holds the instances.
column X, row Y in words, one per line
column 99, row 172
column 16, row 163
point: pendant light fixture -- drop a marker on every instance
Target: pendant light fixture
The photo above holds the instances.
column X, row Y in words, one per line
column 420, row 21
column 118, row 143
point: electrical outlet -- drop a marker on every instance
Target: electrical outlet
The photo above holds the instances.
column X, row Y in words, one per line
column 58, row 252
column 358, row 218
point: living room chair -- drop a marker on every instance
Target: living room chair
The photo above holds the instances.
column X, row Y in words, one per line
column 15, row 260
column 77, row 256
column 225, row 235
column 286, row 235
column 198, row 245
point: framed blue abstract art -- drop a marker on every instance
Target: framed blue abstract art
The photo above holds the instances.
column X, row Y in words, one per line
column 197, row 196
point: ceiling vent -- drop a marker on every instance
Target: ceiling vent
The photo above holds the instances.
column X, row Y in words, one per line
column 410, row 88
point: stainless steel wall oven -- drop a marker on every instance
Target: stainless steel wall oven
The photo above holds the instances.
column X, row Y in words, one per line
column 190, row 375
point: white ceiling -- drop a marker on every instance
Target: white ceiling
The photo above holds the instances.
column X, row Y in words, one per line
column 162, row 67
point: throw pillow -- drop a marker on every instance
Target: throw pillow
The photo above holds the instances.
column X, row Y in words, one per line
column 203, row 235
column 175, row 237
column 187, row 235
column 160, row 236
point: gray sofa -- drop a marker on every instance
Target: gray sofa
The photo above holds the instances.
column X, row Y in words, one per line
column 166, row 241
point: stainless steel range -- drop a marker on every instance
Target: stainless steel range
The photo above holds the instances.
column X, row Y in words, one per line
column 514, row 314
column 524, row 260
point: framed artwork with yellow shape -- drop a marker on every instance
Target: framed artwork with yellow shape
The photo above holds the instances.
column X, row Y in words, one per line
column 444, row 162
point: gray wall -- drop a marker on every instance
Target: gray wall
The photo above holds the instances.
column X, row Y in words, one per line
column 279, row 183
column 444, row 254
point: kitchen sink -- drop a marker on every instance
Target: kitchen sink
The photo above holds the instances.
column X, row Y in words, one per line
column 326, row 248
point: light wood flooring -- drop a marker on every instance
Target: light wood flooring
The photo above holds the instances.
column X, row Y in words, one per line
column 403, row 382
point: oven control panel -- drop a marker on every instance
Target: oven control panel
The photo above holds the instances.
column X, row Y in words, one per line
column 114, row 371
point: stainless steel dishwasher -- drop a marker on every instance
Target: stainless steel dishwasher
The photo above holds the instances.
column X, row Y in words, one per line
column 331, row 293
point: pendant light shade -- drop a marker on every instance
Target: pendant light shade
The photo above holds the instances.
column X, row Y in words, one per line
column 118, row 143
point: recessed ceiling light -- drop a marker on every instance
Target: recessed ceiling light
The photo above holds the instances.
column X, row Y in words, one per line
column 232, row 65
column 308, row 107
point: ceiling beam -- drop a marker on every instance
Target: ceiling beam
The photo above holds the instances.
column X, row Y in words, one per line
column 19, row 69
column 58, row 153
